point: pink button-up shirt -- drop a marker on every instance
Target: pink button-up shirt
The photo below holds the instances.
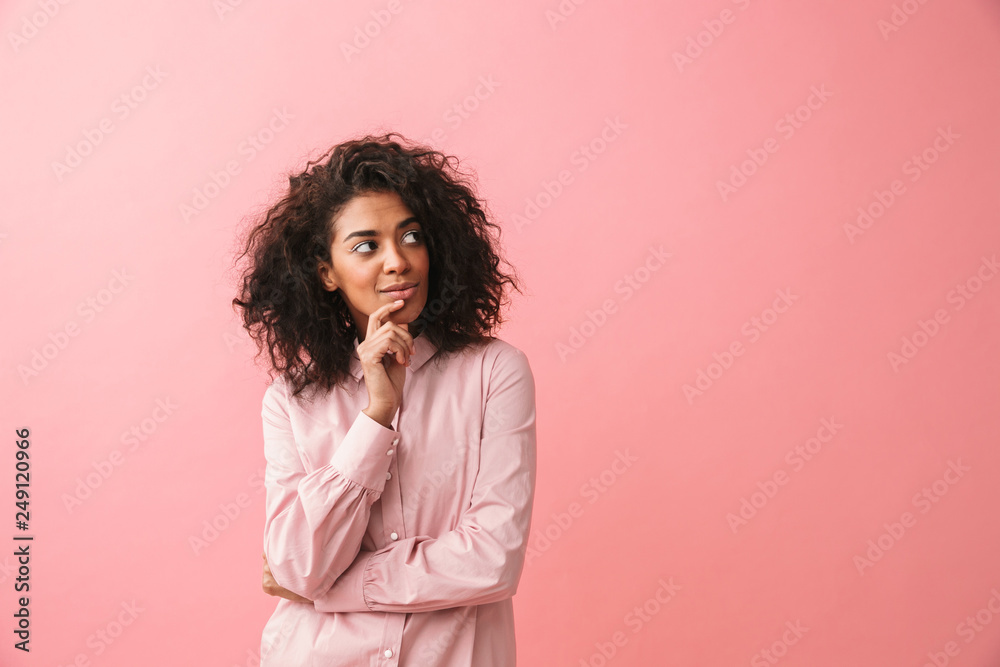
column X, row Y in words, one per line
column 410, row 541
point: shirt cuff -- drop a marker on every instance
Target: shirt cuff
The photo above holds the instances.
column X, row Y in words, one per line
column 347, row 592
column 366, row 452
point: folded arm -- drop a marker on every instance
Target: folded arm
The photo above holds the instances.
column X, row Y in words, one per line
column 480, row 561
column 315, row 521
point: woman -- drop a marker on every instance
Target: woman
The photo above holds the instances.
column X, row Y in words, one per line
column 399, row 434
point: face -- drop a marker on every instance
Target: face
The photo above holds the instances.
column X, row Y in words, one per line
column 377, row 244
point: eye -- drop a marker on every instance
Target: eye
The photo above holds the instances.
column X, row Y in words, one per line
column 416, row 232
column 355, row 248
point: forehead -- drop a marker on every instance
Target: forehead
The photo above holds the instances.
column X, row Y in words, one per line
column 371, row 210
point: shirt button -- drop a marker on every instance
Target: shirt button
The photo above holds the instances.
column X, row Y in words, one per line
column 389, row 453
column 395, row 441
column 393, row 535
column 388, row 653
column 388, row 475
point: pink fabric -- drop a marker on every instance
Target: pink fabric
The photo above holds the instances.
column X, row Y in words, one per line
column 410, row 540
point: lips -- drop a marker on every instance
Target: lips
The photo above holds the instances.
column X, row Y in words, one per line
column 398, row 287
column 401, row 291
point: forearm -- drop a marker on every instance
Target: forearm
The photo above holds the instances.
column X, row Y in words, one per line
column 316, row 521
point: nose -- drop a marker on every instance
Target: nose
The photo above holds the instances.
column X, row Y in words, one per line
column 395, row 260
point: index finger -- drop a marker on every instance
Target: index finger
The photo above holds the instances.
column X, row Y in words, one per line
column 375, row 319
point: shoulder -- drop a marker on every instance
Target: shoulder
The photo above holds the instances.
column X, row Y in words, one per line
column 500, row 351
column 280, row 387
column 276, row 396
column 494, row 358
column 280, row 398
column 490, row 353
column 504, row 362
column 508, row 386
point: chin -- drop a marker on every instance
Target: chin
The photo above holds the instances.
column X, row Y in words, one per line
column 406, row 314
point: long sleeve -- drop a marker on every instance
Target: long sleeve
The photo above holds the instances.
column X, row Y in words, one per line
column 315, row 521
column 480, row 561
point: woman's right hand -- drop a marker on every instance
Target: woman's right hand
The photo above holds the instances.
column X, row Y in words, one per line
column 385, row 354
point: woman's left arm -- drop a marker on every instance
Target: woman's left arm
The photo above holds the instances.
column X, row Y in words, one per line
column 480, row 561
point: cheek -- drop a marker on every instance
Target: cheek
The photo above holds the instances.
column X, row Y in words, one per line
column 423, row 260
column 362, row 278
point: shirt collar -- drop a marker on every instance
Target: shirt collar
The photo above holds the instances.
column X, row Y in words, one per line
column 425, row 349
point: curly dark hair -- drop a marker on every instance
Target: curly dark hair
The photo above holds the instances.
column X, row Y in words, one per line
column 307, row 330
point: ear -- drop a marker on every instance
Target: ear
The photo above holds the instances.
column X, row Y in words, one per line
column 326, row 277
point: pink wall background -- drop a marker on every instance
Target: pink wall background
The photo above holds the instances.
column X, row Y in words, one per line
column 846, row 371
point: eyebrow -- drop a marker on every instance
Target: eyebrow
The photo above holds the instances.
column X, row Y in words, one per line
column 372, row 232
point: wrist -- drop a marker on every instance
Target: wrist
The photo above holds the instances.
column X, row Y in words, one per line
column 382, row 415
